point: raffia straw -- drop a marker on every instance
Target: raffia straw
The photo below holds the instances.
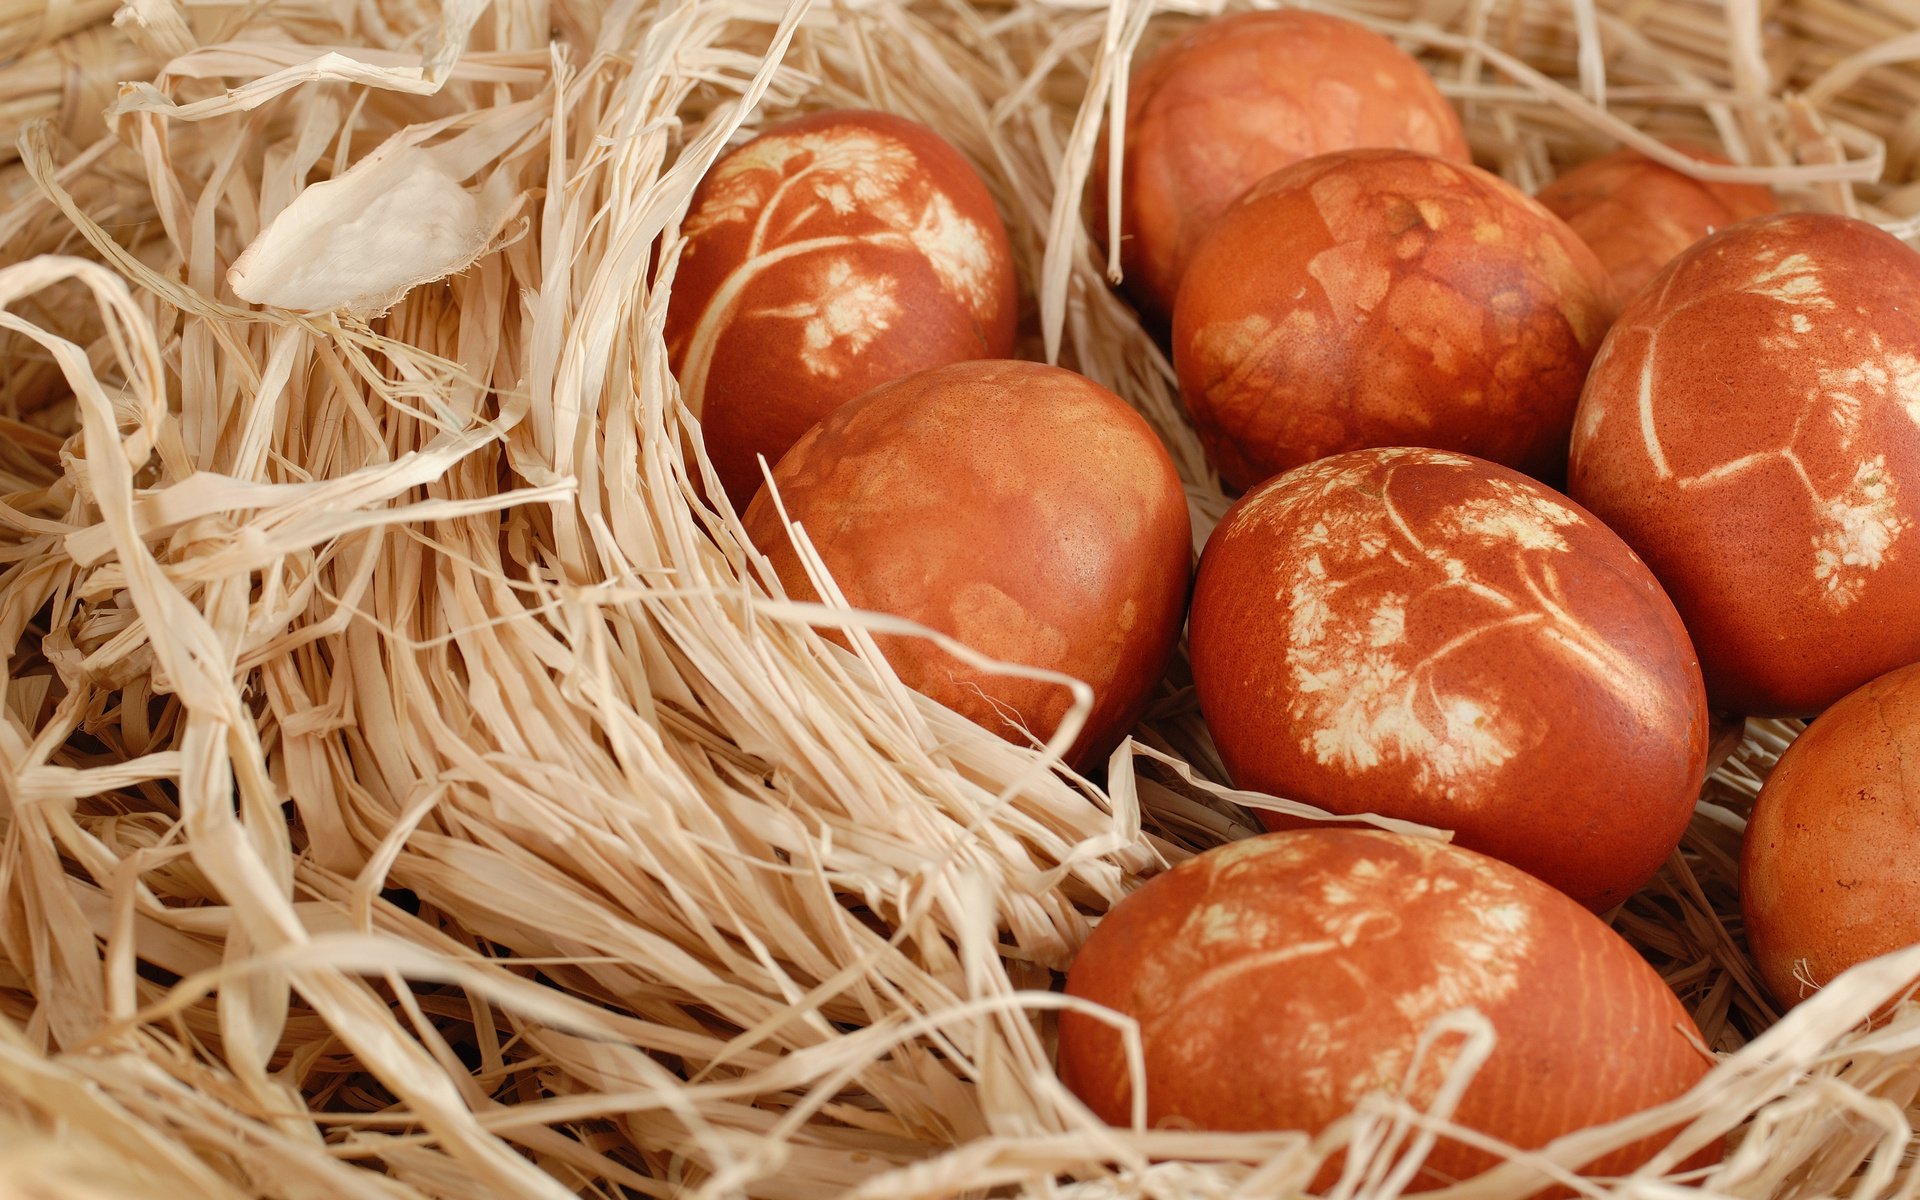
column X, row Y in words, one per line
column 27, row 26
column 411, row 789
column 68, row 82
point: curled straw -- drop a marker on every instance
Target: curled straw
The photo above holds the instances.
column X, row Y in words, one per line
column 27, row 26
column 69, row 82
column 604, row 870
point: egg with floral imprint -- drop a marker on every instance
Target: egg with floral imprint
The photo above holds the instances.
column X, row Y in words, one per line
column 828, row 255
column 1021, row 509
column 1636, row 213
column 1828, row 877
column 1386, row 298
column 1433, row 637
column 1752, row 429
column 1277, row 981
column 1237, row 98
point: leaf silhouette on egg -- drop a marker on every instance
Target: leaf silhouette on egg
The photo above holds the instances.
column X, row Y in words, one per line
column 1361, row 696
column 849, row 310
column 839, row 169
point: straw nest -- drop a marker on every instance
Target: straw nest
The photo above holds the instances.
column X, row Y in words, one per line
column 412, row 789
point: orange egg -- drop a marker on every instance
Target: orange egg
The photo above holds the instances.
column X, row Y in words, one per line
column 1385, row 298
column 1276, row 981
column 1828, row 877
column 1752, row 429
column 828, row 255
column 1022, row 509
column 1433, row 637
column 1241, row 96
column 1636, row 214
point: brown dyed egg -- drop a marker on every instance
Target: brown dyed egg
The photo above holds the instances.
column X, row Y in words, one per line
column 1828, row 876
column 1752, row 429
column 1384, row 298
column 830, row 254
column 1021, row 509
column 1278, row 980
column 1430, row 636
column 1636, row 214
column 1241, row 96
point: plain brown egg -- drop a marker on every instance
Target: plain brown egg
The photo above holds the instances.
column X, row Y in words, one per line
column 828, row 255
column 1022, row 509
column 1278, row 980
column 1236, row 99
column 1433, row 637
column 1636, row 214
column 1385, row 298
column 1828, row 874
column 1752, row 429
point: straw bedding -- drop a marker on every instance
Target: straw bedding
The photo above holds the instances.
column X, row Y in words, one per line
column 413, row 789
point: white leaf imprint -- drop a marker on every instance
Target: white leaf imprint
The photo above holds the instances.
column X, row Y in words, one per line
column 1793, row 280
column 1363, row 696
column 1474, row 916
column 845, row 311
column 1512, row 513
column 843, row 168
column 1860, row 524
column 1372, row 681
column 958, row 250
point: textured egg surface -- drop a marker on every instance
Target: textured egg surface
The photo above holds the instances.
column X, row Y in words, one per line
column 1828, row 874
column 826, row 256
column 1241, row 96
column 1431, row 636
column 1636, row 214
column 1278, row 980
column 1385, row 298
column 1752, row 429
column 1022, row 509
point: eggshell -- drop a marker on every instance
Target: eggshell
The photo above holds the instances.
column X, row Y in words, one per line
column 1433, row 637
column 1752, row 428
column 1828, row 876
column 830, row 254
column 1022, row 509
column 1278, row 980
column 1382, row 298
column 1636, row 214
column 1241, row 96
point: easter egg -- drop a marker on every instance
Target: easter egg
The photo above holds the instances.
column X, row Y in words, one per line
column 1386, row 298
column 1021, row 509
column 1635, row 214
column 1752, row 429
column 1237, row 98
column 1276, row 981
column 1433, row 637
column 1828, row 877
column 828, row 255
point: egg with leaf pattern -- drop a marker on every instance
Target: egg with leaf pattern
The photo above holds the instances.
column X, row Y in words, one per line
column 1409, row 632
column 1752, row 428
column 830, row 254
column 1278, row 981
